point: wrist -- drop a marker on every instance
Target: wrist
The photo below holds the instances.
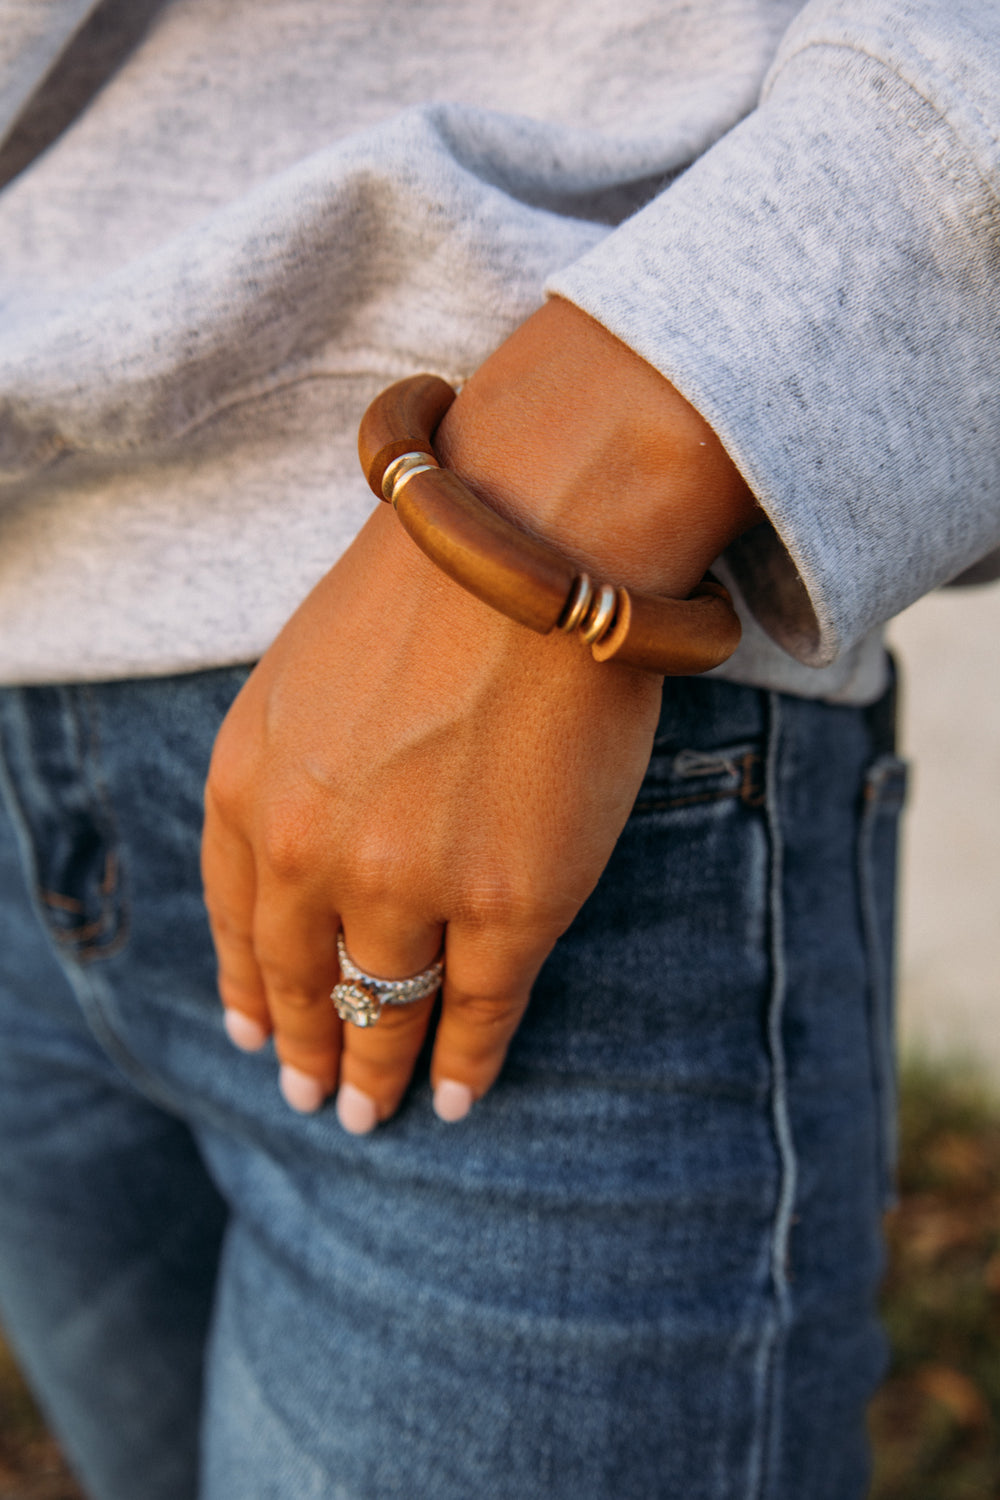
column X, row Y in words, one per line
column 572, row 436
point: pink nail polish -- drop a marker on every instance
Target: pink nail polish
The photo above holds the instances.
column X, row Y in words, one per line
column 355, row 1111
column 303, row 1092
column 452, row 1101
column 244, row 1033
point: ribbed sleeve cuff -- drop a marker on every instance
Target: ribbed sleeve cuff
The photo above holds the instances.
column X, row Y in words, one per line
column 821, row 285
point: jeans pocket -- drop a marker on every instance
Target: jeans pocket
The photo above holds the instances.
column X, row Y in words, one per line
column 687, row 777
column 660, row 980
column 883, row 798
column 48, row 736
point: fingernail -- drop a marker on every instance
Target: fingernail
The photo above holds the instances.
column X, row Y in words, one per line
column 244, row 1033
column 452, row 1101
column 355, row 1111
column 303, row 1092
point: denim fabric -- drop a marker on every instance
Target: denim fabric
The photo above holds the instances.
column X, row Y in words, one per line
column 645, row 1266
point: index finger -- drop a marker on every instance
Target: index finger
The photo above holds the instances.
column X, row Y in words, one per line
column 230, row 888
column 294, row 939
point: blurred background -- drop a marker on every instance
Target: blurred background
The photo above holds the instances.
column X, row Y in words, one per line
column 936, row 1423
column 948, row 646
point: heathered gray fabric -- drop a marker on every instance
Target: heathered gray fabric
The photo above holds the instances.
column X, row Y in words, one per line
column 270, row 210
column 33, row 33
column 848, row 353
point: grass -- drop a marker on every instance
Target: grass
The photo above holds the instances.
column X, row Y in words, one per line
column 936, row 1423
column 31, row 1466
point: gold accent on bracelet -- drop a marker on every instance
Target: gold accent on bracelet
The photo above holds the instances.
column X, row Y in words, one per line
column 517, row 573
column 599, row 616
column 400, row 470
column 578, row 603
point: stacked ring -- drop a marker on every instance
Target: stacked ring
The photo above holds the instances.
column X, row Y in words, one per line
column 359, row 997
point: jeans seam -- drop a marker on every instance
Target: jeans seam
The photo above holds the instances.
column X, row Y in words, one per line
column 764, row 1457
column 880, row 800
column 93, row 1007
column 666, row 804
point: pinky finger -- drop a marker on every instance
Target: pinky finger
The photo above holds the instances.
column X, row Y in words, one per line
column 484, row 997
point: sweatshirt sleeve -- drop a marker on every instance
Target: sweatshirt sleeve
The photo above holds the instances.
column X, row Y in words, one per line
column 33, row 33
column 823, row 286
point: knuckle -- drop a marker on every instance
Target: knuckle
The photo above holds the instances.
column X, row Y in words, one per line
column 485, row 1012
column 474, row 1057
column 499, row 903
column 287, row 993
column 282, row 980
column 228, row 930
column 287, row 844
column 368, row 872
column 228, row 779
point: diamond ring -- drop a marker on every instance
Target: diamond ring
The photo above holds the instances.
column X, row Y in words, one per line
column 359, row 997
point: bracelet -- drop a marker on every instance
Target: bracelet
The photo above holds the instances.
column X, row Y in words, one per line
column 518, row 574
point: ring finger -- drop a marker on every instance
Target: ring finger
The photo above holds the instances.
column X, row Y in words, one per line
column 377, row 1061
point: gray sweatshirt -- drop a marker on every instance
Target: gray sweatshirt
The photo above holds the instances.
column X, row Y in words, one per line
column 227, row 226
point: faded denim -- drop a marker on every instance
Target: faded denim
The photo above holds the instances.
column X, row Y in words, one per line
column 645, row 1266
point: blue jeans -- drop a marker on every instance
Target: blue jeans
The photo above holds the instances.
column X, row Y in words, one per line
column 645, row 1265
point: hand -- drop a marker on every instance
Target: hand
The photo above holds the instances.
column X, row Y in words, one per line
column 410, row 766
column 404, row 762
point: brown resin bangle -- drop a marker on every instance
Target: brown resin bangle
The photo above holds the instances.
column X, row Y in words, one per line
column 518, row 574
